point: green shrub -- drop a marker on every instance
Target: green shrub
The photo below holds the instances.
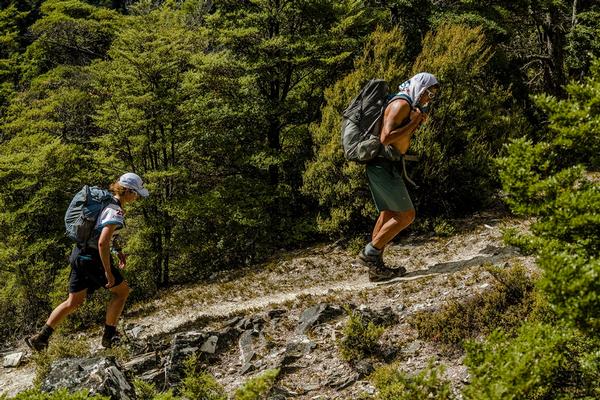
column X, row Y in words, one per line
column 548, row 180
column 148, row 391
column 506, row 304
column 572, row 286
column 258, row 387
column 443, row 227
column 360, row 338
column 62, row 394
column 466, row 129
column 198, row 384
column 526, row 243
column 144, row 390
column 392, row 384
column 542, row 180
column 541, row 362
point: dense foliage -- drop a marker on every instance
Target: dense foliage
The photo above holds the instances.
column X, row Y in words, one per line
column 468, row 124
column 554, row 179
column 230, row 111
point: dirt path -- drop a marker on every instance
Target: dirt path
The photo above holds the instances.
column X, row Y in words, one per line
column 321, row 271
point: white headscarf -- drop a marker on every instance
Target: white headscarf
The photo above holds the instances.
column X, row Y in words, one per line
column 415, row 86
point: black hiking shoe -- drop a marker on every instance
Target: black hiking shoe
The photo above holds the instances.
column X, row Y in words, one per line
column 382, row 273
column 36, row 342
column 110, row 341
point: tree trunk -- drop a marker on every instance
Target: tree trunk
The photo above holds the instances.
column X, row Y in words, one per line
column 555, row 43
column 275, row 145
column 166, row 252
column 157, row 240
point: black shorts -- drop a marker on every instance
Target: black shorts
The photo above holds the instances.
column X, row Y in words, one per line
column 87, row 271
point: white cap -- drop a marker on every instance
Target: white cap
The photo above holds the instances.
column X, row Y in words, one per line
column 134, row 182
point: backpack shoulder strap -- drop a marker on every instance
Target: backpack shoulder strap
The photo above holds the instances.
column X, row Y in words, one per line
column 400, row 96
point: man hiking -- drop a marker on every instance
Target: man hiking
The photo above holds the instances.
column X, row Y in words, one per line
column 401, row 118
column 92, row 266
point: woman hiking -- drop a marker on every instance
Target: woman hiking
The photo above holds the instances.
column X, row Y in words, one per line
column 92, row 266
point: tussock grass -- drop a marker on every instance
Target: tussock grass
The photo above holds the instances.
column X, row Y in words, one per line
column 392, row 384
column 507, row 304
column 360, row 338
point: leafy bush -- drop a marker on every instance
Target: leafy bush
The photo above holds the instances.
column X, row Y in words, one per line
column 62, row 394
column 572, row 286
column 360, row 338
column 506, row 304
column 148, row 391
column 542, row 180
column 392, row 384
column 258, row 387
column 541, row 362
column 456, row 146
column 198, row 384
column 548, row 180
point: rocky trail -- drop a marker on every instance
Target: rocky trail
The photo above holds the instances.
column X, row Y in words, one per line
column 289, row 314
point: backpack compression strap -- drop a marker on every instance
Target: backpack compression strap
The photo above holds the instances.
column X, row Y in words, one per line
column 405, row 157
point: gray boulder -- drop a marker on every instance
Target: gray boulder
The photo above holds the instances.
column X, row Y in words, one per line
column 185, row 345
column 97, row 375
column 317, row 314
column 143, row 362
column 12, row 360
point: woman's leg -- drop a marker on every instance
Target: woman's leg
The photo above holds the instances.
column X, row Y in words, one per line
column 117, row 302
column 66, row 307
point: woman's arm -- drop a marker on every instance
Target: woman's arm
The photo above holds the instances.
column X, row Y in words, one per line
column 104, row 250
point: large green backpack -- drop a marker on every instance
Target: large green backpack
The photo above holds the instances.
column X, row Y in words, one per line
column 362, row 121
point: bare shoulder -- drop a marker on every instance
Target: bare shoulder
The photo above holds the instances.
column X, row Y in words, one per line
column 398, row 110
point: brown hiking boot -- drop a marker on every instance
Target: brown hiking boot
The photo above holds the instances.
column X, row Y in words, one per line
column 36, row 342
column 382, row 273
column 370, row 261
column 377, row 269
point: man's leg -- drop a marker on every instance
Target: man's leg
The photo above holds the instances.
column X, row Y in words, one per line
column 392, row 223
column 39, row 341
column 388, row 225
column 113, row 312
column 383, row 217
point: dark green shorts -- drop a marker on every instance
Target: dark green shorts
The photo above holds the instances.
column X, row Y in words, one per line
column 387, row 186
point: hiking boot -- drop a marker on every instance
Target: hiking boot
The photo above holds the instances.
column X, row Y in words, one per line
column 382, row 273
column 36, row 342
column 110, row 341
column 369, row 260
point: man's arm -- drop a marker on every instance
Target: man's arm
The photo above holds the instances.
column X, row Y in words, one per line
column 393, row 117
column 104, row 250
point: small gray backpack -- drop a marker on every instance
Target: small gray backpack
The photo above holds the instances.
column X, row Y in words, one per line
column 83, row 212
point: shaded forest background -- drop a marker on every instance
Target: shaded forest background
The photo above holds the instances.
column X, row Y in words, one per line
column 230, row 110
